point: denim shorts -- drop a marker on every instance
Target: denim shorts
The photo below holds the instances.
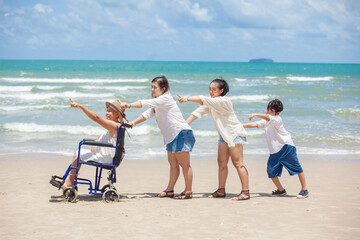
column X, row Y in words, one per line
column 287, row 158
column 237, row 140
column 183, row 142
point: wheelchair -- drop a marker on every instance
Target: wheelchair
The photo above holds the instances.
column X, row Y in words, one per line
column 108, row 191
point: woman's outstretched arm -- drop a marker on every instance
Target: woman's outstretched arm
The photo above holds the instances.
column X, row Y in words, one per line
column 190, row 99
column 107, row 124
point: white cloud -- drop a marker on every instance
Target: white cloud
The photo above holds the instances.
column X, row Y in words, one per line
column 200, row 14
column 164, row 26
column 42, row 8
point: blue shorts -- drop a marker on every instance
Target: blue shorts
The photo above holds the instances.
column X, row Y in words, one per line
column 285, row 157
column 183, row 142
column 237, row 140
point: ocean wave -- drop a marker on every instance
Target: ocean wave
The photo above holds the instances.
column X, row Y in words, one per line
column 31, row 108
column 309, row 79
column 26, row 88
column 270, row 77
column 143, row 129
column 349, row 114
column 205, row 133
column 68, row 129
column 47, row 87
column 332, row 139
column 71, row 80
column 68, row 94
column 251, row 98
column 255, row 132
column 326, row 151
column 240, row 79
column 306, row 151
column 15, row 89
column 124, row 88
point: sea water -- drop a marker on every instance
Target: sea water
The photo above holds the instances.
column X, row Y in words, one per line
column 321, row 104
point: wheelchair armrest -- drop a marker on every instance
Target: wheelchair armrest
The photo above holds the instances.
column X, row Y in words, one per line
column 95, row 143
column 88, row 140
column 127, row 125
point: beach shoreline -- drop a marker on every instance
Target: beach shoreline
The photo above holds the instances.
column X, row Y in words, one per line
column 33, row 209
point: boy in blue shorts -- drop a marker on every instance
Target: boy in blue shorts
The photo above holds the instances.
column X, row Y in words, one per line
column 281, row 146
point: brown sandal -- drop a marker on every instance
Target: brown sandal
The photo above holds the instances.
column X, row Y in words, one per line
column 184, row 196
column 169, row 194
column 244, row 195
column 219, row 193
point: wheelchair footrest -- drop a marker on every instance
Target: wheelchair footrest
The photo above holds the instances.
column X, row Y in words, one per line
column 56, row 183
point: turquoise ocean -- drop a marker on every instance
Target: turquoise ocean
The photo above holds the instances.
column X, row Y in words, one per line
column 321, row 104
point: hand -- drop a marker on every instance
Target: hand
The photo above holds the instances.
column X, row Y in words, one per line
column 124, row 105
column 251, row 116
column 74, row 104
column 182, row 99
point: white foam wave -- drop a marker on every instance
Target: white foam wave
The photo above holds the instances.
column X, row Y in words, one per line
column 240, row 79
column 125, row 88
column 205, row 133
column 48, row 87
column 326, row 151
column 68, row 94
column 26, row 88
column 255, row 132
column 270, row 77
column 306, row 151
column 141, row 130
column 68, row 129
column 346, row 111
column 16, row 89
column 309, row 79
column 31, row 108
column 251, row 98
column 71, row 80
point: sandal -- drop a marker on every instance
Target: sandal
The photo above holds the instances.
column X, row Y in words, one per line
column 169, row 194
column 244, row 195
column 219, row 193
column 184, row 196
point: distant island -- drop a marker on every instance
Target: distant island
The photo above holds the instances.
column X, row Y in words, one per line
column 266, row 60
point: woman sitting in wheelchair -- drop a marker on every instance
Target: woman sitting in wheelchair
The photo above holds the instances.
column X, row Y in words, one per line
column 112, row 122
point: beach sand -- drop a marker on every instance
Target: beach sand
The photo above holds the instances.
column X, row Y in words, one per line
column 33, row 209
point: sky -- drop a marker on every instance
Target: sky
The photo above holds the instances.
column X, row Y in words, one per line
column 314, row 31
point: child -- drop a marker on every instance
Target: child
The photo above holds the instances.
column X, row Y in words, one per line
column 281, row 147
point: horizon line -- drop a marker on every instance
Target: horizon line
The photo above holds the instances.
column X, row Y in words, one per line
column 122, row 60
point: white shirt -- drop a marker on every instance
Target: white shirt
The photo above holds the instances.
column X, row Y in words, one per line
column 167, row 114
column 223, row 116
column 101, row 154
column 276, row 134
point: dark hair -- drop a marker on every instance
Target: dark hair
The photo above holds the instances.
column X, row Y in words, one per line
column 222, row 85
column 276, row 105
column 163, row 83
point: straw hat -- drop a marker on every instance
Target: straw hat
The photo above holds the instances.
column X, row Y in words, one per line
column 116, row 106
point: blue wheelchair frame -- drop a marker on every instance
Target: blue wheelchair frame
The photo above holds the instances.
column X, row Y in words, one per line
column 95, row 189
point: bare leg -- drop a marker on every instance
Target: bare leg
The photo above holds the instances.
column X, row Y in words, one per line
column 70, row 180
column 277, row 183
column 237, row 159
column 223, row 159
column 174, row 171
column 183, row 158
column 302, row 181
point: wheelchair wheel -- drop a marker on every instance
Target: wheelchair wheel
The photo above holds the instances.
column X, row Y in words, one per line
column 110, row 195
column 106, row 187
column 70, row 194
